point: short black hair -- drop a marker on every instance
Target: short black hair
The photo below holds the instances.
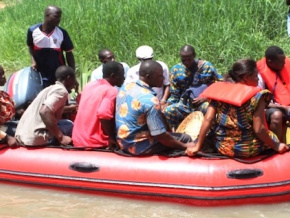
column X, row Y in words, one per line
column 102, row 53
column 63, row 72
column 148, row 67
column 188, row 48
column 111, row 67
column 51, row 8
column 273, row 52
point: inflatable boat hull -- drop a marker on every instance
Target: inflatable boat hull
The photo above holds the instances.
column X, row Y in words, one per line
column 195, row 181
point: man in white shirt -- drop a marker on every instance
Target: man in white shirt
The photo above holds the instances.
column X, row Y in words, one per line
column 106, row 55
column 144, row 53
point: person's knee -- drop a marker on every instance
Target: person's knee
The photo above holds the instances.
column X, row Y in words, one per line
column 184, row 138
column 65, row 126
column 277, row 117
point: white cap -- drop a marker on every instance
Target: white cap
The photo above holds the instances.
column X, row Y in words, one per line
column 144, row 52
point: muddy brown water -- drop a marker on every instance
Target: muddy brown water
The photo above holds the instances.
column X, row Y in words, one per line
column 22, row 201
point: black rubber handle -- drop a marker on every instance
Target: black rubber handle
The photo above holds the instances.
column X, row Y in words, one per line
column 84, row 167
column 244, row 173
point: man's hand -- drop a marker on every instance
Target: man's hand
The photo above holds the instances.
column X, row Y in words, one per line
column 113, row 145
column 192, row 149
column 163, row 105
column 34, row 66
column 72, row 108
column 77, row 85
column 281, row 148
column 65, row 140
column 199, row 100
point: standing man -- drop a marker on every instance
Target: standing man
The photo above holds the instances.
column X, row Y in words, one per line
column 47, row 42
column 139, row 122
column 106, row 55
column 288, row 18
column 39, row 125
column 190, row 72
column 144, row 53
column 94, row 126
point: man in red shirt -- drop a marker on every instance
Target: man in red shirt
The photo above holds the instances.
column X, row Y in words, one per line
column 94, row 126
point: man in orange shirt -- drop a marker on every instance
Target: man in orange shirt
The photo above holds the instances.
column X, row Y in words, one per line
column 274, row 71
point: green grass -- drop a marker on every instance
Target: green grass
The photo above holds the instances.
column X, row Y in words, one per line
column 222, row 31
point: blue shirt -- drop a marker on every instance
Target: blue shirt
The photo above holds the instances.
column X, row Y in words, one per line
column 138, row 117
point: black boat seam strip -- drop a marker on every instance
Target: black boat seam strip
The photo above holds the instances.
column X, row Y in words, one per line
column 148, row 184
column 127, row 192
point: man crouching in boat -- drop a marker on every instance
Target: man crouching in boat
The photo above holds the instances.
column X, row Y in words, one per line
column 94, row 126
column 274, row 71
column 238, row 110
column 140, row 126
column 39, row 124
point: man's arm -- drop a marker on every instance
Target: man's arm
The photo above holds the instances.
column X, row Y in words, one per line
column 70, row 59
column 33, row 62
column 165, row 96
column 166, row 139
column 174, row 88
column 261, row 131
column 50, row 121
column 108, row 127
column 207, row 122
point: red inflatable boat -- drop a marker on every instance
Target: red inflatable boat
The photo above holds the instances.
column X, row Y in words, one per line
column 196, row 181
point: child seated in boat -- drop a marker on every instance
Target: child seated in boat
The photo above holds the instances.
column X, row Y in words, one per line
column 7, row 111
column 94, row 125
column 237, row 112
column 40, row 124
column 140, row 125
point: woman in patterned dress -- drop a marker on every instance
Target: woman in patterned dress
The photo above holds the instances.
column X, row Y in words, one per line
column 239, row 131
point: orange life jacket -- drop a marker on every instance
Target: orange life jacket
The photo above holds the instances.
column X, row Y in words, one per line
column 232, row 93
column 275, row 84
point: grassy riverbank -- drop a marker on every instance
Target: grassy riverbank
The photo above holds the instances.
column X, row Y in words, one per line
column 222, row 31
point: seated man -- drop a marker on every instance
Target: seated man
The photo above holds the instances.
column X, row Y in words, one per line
column 2, row 76
column 94, row 125
column 191, row 72
column 106, row 55
column 144, row 53
column 139, row 121
column 39, row 123
column 274, row 71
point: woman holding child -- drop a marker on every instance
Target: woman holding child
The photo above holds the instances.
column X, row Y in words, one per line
column 236, row 114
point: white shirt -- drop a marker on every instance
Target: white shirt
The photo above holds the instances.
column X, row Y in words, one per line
column 261, row 82
column 98, row 73
column 133, row 76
